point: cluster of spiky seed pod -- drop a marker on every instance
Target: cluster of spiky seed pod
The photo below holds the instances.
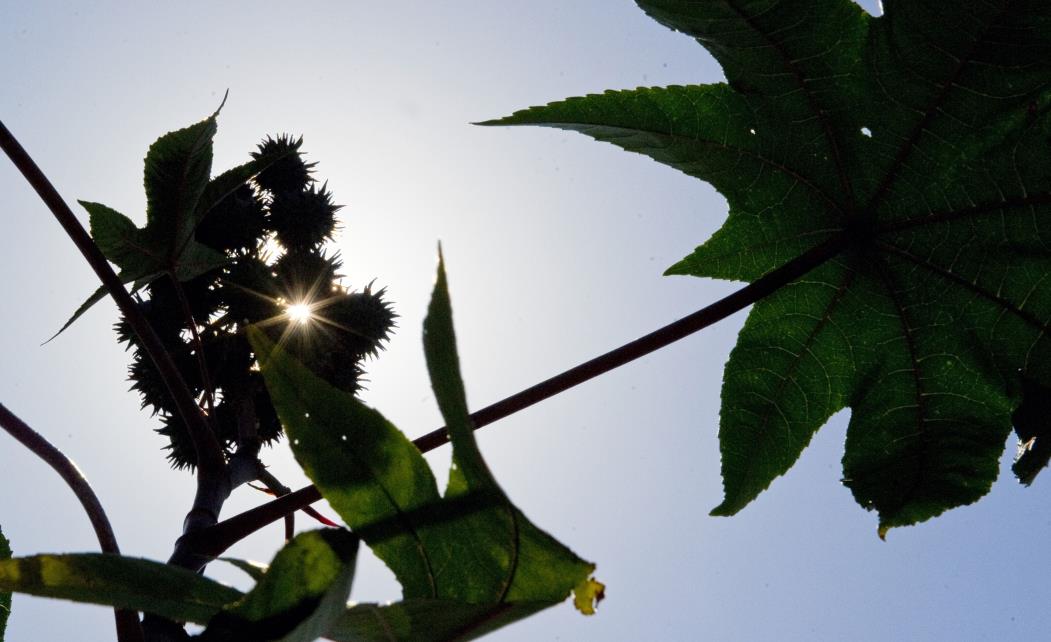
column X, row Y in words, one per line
column 283, row 204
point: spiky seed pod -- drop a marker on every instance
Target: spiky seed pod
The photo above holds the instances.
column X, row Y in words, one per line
column 349, row 327
column 200, row 295
column 165, row 320
column 235, row 224
column 363, row 321
column 321, row 351
column 268, row 426
column 147, row 381
column 229, row 359
column 302, row 275
column 249, row 291
column 290, row 173
column 303, row 220
column 181, row 453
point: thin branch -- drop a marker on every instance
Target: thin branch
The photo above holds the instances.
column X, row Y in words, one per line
column 128, row 629
column 214, row 540
column 69, row 473
column 209, row 453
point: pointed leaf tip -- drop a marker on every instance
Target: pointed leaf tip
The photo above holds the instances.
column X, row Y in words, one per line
column 226, row 95
column 719, row 511
column 588, row 594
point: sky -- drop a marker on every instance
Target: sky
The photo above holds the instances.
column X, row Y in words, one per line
column 554, row 246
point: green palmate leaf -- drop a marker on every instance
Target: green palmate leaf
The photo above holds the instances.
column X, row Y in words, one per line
column 470, row 547
column 122, row 582
column 301, row 596
column 917, row 143
column 5, row 595
column 178, row 195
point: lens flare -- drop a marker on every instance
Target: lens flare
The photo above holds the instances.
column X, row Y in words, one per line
column 298, row 312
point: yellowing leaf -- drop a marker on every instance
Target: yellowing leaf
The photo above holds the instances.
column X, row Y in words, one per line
column 588, row 594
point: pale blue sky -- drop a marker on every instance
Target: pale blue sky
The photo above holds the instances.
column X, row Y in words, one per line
column 554, row 245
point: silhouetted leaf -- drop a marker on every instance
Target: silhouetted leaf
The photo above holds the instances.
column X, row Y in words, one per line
column 178, row 165
column 176, row 176
column 917, row 144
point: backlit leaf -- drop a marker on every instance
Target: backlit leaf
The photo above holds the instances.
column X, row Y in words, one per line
column 176, row 179
column 123, row 582
column 301, row 596
column 470, row 547
column 917, row 145
column 426, row 620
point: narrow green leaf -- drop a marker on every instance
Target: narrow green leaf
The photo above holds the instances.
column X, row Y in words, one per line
column 425, row 620
column 493, row 543
column 301, row 596
column 443, row 366
column 471, row 546
column 255, row 570
column 122, row 582
column 140, row 280
column 96, row 296
column 365, row 467
column 5, row 595
column 517, row 561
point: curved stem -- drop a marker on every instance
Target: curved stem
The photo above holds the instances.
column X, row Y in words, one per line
column 127, row 621
column 209, row 453
column 213, row 540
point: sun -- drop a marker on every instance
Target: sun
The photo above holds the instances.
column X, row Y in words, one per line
column 299, row 312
